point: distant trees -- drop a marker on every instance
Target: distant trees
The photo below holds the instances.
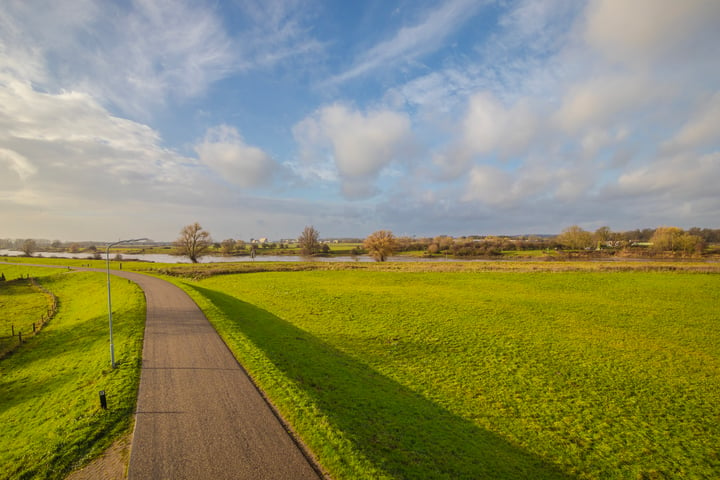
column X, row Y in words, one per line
column 674, row 239
column 227, row 246
column 309, row 241
column 603, row 235
column 380, row 245
column 193, row 242
column 575, row 238
column 29, row 246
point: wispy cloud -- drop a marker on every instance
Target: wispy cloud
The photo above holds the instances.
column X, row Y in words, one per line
column 277, row 32
column 411, row 42
column 132, row 57
column 139, row 57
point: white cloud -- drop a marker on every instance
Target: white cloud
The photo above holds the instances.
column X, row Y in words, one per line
column 67, row 117
column 160, row 50
column 492, row 186
column 648, row 31
column 601, row 101
column 134, row 57
column 526, row 184
column 703, row 128
column 582, row 133
column 579, row 111
column 66, row 149
column 490, row 126
column 360, row 145
column 16, row 163
column 224, row 151
column 490, row 129
column 684, row 176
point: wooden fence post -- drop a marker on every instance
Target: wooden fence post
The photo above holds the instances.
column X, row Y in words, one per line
column 19, row 337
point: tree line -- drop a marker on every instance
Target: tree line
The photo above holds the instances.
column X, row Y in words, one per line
column 195, row 242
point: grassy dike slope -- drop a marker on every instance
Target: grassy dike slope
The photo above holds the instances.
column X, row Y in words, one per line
column 50, row 418
column 395, row 374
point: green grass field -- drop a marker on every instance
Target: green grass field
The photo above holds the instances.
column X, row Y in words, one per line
column 23, row 306
column 487, row 374
column 50, row 417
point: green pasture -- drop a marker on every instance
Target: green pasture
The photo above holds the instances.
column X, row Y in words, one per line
column 22, row 305
column 21, row 264
column 50, row 417
column 484, row 374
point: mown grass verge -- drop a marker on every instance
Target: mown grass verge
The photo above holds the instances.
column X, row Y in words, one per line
column 50, row 417
column 587, row 374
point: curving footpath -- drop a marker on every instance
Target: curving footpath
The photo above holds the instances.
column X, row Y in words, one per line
column 198, row 414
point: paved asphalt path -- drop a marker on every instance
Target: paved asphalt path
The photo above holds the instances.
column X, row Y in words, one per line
column 198, row 414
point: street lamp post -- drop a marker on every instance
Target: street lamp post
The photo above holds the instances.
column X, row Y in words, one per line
column 107, row 258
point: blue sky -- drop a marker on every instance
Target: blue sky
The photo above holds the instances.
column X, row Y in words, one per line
column 256, row 118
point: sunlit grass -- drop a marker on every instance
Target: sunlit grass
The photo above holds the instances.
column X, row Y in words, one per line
column 440, row 374
column 50, row 417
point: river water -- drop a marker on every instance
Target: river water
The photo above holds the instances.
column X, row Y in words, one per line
column 164, row 258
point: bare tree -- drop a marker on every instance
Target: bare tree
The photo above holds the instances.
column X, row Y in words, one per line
column 29, row 247
column 380, row 245
column 309, row 241
column 602, row 234
column 193, row 242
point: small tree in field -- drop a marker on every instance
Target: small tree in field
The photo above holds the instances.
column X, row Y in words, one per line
column 28, row 247
column 309, row 241
column 193, row 242
column 380, row 245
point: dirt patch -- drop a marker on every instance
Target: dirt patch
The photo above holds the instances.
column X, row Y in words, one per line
column 111, row 465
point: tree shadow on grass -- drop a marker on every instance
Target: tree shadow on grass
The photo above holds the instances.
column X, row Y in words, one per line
column 398, row 430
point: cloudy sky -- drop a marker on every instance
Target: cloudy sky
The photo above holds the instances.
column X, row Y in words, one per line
column 122, row 119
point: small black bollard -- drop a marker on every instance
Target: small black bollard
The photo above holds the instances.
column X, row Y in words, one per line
column 103, row 400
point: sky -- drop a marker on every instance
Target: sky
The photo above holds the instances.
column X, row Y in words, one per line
column 255, row 118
